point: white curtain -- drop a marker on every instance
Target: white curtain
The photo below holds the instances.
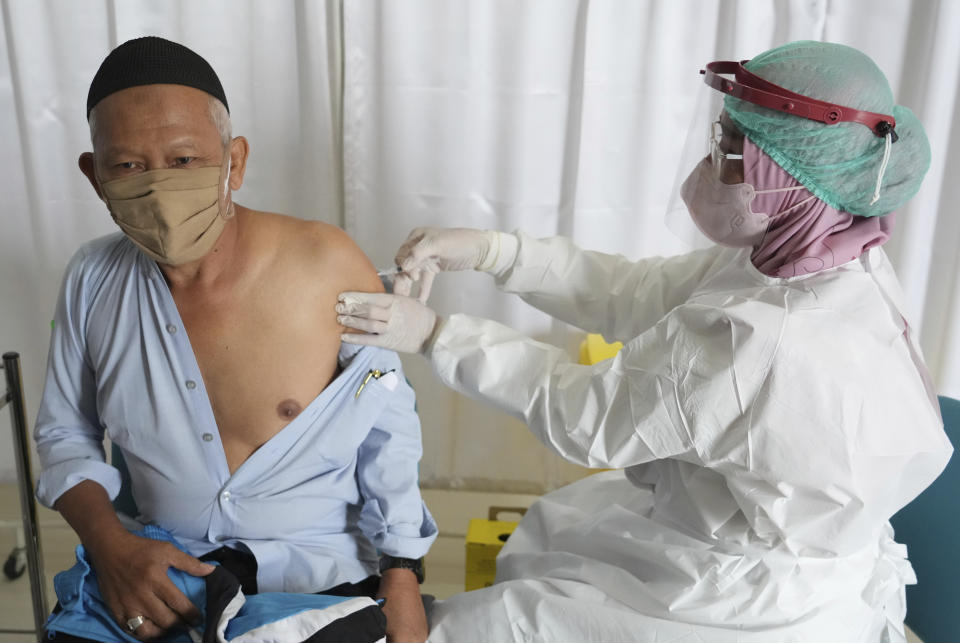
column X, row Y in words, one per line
column 554, row 116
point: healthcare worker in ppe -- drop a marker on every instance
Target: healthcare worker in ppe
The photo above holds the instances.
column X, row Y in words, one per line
column 769, row 411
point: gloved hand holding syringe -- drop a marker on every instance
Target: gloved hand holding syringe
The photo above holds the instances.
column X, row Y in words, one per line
column 400, row 322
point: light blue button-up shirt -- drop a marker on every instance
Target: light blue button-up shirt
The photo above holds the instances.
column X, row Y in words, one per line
column 312, row 504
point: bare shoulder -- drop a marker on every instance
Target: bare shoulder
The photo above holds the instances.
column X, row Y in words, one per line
column 319, row 248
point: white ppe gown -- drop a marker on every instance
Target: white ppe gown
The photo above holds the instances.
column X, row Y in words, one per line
column 767, row 429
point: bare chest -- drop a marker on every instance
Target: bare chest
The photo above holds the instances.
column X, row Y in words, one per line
column 261, row 365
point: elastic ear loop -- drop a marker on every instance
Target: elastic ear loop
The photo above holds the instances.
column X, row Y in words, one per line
column 226, row 180
column 226, row 188
column 883, row 167
column 796, row 205
column 102, row 194
column 790, row 189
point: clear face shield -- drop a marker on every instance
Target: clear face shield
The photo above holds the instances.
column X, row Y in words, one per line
column 714, row 147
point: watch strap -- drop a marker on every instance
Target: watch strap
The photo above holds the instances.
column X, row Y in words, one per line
column 396, row 562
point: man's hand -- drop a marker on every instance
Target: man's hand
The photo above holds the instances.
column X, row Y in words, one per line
column 131, row 571
column 393, row 322
column 132, row 574
column 406, row 620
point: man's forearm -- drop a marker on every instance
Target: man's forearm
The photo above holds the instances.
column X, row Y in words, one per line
column 406, row 620
column 86, row 507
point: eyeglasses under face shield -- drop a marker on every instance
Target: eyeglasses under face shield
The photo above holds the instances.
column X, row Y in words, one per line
column 718, row 155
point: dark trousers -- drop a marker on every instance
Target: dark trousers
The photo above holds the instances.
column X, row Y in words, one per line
column 243, row 566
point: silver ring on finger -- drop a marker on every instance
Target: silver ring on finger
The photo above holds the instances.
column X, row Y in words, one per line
column 135, row 622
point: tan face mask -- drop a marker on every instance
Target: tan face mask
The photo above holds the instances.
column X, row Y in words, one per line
column 172, row 215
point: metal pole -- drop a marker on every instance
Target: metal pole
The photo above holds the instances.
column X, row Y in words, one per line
column 28, row 505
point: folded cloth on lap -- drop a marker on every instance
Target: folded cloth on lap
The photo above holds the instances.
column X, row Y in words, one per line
column 228, row 615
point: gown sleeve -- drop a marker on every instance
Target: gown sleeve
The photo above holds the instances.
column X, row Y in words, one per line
column 636, row 407
column 603, row 293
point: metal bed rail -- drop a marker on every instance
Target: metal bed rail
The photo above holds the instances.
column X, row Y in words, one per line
column 28, row 505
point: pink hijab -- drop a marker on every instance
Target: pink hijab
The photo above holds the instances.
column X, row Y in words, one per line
column 812, row 236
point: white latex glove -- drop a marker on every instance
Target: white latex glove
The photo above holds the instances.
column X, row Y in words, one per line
column 394, row 322
column 430, row 250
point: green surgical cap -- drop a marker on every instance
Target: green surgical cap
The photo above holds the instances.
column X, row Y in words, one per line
column 838, row 163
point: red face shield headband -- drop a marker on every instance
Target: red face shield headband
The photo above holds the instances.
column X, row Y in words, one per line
column 753, row 89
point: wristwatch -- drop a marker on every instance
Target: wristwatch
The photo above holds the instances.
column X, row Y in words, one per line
column 394, row 562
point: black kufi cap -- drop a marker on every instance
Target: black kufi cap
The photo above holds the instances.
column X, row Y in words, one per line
column 149, row 61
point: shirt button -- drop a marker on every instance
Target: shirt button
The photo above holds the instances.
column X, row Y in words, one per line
column 225, row 495
column 191, row 384
column 207, row 437
column 171, row 329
